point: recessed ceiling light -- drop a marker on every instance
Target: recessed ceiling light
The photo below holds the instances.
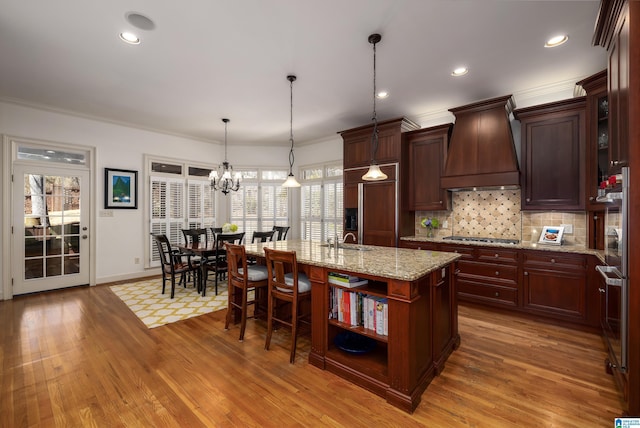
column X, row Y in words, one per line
column 460, row 71
column 556, row 41
column 382, row 94
column 130, row 38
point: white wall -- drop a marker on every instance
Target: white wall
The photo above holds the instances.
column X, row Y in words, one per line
column 120, row 239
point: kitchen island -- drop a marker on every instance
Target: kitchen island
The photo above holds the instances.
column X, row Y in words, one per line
column 417, row 289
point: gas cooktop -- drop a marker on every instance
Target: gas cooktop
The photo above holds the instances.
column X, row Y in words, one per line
column 480, row 239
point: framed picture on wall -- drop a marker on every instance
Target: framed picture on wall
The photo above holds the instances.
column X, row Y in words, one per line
column 120, row 189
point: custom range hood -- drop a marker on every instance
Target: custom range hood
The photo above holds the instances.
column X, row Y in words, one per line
column 481, row 152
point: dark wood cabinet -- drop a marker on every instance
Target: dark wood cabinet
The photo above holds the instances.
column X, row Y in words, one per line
column 377, row 203
column 357, row 143
column 618, row 90
column 597, row 125
column 618, row 31
column 491, row 277
column 427, row 155
column 555, row 284
column 553, row 155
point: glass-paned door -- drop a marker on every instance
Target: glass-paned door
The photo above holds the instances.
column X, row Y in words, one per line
column 51, row 228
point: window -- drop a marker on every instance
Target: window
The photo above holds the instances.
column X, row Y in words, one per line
column 321, row 212
column 178, row 202
column 261, row 202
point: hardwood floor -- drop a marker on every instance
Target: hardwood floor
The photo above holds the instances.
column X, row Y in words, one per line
column 80, row 358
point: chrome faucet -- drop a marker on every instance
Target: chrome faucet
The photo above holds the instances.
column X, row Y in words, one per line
column 344, row 238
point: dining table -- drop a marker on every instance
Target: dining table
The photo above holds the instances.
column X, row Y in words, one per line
column 205, row 252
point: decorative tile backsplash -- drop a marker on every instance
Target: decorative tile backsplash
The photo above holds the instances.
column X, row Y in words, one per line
column 497, row 214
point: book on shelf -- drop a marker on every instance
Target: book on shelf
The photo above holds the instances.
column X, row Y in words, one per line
column 345, row 280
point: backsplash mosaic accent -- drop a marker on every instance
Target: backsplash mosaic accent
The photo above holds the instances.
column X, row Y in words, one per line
column 497, row 214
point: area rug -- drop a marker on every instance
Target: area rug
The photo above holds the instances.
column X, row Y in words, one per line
column 145, row 299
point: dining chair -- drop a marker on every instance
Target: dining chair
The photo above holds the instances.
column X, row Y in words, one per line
column 287, row 287
column 243, row 278
column 262, row 236
column 195, row 236
column 215, row 231
column 172, row 262
column 218, row 262
column 265, row 236
column 281, row 232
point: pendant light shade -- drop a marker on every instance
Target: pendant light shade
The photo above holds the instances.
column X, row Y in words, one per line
column 374, row 173
column 291, row 179
column 223, row 178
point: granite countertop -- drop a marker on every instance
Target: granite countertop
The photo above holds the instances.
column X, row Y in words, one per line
column 385, row 262
column 526, row 246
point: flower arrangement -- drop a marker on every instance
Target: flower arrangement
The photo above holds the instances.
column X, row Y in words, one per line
column 229, row 227
column 430, row 224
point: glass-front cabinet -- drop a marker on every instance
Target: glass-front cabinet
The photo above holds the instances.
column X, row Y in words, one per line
column 598, row 165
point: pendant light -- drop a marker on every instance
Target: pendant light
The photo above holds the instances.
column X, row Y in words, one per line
column 223, row 178
column 374, row 173
column 291, row 179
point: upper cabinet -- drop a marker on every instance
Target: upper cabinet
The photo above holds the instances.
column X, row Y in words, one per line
column 553, row 155
column 597, row 127
column 427, row 155
column 357, row 143
column 612, row 32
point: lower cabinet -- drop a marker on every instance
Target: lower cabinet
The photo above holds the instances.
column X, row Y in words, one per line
column 491, row 277
column 554, row 284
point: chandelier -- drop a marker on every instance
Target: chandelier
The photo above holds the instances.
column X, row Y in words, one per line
column 223, row 178
column 291, row 179
column 374, row 173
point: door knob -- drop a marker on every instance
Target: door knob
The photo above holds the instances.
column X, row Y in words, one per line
column 84, row 228
column 84, row 236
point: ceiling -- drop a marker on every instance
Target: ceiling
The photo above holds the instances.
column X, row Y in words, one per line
column 209, row 59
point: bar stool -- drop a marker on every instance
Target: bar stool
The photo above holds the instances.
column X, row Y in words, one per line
column 242, row 279
column 286, row 286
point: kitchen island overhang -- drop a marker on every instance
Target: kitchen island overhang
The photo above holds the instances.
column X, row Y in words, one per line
column 418, row 290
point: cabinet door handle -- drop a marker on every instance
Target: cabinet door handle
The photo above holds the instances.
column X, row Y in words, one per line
column 497, row 273
column 526, row 274
column 591, row 198
column 440, row 202
column 614, row 162
column 553, row 260
column 528, row 199
column 497, row 294
column 601, row 290
column 497, row 255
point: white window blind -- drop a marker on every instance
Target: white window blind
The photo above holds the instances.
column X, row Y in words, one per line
column 260, row 203
column 321, row 207
column 171, row 211
column 200, row 206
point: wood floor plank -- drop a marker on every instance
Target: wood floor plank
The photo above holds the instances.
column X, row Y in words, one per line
column 80, row 357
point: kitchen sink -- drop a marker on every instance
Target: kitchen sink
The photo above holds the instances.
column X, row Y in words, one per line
column 347, row 247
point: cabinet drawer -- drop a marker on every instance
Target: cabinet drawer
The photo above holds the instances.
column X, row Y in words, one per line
column 468, row 253
column 491, row 272
column 419, row 245
column 497, row 255
column 478, row 292
column 553, row 260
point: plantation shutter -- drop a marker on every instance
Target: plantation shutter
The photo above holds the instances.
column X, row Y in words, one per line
column 311, row 215
column 333, row 203
column 200, row 205
column 167, row 212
